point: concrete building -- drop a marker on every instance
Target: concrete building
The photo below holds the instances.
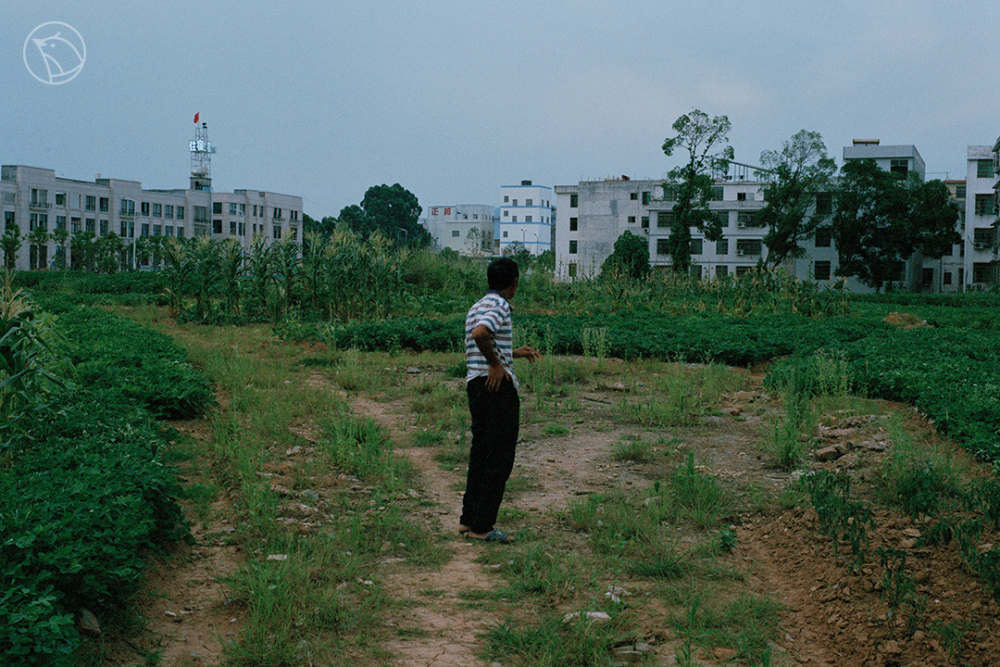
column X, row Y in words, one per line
column 596, row 213
column 34, row 198
column 525, row 218
column 465, row 228
column 981, row 266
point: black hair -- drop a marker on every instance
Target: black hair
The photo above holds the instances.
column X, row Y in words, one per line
column 501, row 273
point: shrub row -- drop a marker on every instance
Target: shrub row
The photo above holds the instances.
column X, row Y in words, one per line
column 87, row 497
column 114, row 353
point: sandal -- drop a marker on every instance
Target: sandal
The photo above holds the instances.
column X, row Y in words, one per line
column 494, row 536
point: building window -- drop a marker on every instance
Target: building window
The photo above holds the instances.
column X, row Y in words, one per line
column 505, row 234
column 696, row 271
column 105, row 204
column 74, row 226
column 645, row 222
column 513, row 218
column 505, row 213
column 276, row 231
column 574, row 224
column 529, row 202
column 721, row 271
column 232, row 228
column 981, row 273
column 127, row 207
column 723, row 218
column 91, row 225
column 960, row 191
column 574, row 201
column 180, row 232
column 824, row 237
column 697, row 246
column 634, row 196
column 144, row 230
column 145, row 208
column 821, row 270
column 749, row 247
column 662, row 246
column 157, row 230
column 645, row 199
column 180, row 212
column 455, row 234
column 824, row 203
column 242, row 227
column 217, row 208
column 168, row 211
column 60, row 199
column 985, row 204
column 157, row 210
column 506, row 199
column 741, row 196
column 91, row 202
column 217, row 226
column 664, row 218
column 232, row 208
column 946, row 278
column 717, row 193
column 984, row 169
column 745, row 219
column 722, row 247
column 572, row 247
column 60, row 222
column 527, row 218
column 243, row 211
column 104, row 227
column 898, row 166
column 927, row 277
column 669, row 192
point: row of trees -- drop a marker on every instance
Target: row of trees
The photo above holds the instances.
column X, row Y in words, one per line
column 877, row 219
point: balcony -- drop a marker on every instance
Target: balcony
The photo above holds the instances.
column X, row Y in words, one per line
column 40, row 205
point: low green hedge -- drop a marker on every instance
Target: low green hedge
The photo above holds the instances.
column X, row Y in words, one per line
column 78, row 510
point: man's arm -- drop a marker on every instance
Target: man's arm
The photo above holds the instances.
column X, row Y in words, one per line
column 483, row 338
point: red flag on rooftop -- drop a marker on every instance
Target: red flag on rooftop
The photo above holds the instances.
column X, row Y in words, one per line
column 196, row 117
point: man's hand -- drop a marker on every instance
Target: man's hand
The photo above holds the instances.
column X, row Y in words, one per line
column 496, row 376
column 529, row 353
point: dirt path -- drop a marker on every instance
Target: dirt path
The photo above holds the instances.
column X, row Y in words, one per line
column 831, row 616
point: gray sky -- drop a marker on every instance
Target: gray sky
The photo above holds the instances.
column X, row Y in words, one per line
column 454, row 99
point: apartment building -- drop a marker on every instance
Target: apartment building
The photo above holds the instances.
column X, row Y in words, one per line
column 596, row 213
column 981, row 265
column 35, row 198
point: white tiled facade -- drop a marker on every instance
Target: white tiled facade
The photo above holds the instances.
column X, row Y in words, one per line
column 525, row 218
column 465, row 228
column 981, row 268
column 33, row 197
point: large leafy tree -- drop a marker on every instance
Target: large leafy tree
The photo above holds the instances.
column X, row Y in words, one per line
column 629, row 259
column 706, row 142
column 391, row 209
column 881, row 220
column 11, row 242
column 795, row 176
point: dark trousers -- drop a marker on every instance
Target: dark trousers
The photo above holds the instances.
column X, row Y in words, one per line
column 495, row 423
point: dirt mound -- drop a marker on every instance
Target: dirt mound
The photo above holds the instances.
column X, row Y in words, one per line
column 905, row 320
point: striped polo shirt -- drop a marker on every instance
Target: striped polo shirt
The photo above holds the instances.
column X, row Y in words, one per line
column 493, row 312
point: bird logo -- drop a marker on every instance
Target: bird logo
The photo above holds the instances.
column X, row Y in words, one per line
column 54, row 53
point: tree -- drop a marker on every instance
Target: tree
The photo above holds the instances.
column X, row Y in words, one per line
column 37, row 245
column 691, row 184
column 391, row 209
column 629, row 259
column 881, row 220
column 11, row 242
column 795, row 177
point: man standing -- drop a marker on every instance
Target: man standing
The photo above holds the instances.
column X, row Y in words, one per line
column 493, row 402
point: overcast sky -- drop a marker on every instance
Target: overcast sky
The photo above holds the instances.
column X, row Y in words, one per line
column 454, row 99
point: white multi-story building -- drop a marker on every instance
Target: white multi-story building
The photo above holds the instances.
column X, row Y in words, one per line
column 525, row 218
column 465, row 228
column 981, row 267
column 33, row 198
column 596, row 213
